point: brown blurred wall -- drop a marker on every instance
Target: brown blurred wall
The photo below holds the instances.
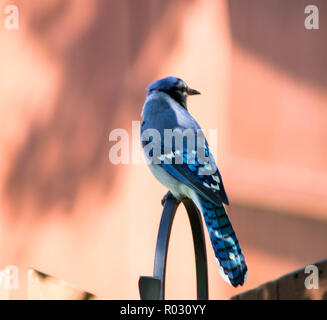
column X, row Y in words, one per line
column 73, row 73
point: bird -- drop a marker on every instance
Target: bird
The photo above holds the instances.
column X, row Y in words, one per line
column 184, row 172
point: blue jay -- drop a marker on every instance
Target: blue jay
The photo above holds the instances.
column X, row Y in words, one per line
column 184, row 172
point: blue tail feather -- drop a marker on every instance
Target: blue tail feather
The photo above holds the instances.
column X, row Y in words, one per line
column 227, row 250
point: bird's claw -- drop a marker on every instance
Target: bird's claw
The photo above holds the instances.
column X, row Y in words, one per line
column 167, row 196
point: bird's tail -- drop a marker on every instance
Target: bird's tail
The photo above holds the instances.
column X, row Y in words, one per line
column 229, row 256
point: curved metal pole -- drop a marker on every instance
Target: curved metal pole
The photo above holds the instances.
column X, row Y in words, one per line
column 194, row 216
column 153, row 288
column 160, row 259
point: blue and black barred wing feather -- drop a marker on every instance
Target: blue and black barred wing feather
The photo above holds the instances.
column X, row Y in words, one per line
column 200, row 173
column 202, row 176
column 206, row 180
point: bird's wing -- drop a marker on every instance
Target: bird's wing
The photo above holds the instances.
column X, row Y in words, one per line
column 203, row 178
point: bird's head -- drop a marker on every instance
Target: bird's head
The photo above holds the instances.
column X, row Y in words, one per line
column 176, row 88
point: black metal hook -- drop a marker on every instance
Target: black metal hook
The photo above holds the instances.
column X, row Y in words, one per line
column 153, row 288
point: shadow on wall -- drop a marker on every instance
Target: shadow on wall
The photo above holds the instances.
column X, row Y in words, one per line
column 94, row 92
column 274, row 30
column 299, row 238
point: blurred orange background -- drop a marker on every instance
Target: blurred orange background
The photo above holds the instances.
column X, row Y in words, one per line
column 75, row 71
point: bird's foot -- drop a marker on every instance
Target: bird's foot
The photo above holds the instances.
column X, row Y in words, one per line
column 167, row 196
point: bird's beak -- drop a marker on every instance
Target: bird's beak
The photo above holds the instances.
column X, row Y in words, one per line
column 192, row 92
